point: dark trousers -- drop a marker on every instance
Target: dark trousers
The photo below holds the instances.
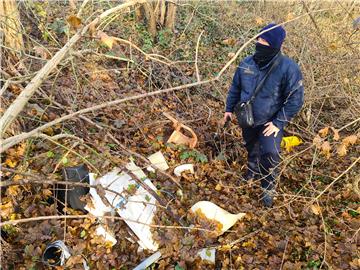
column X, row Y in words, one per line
column 263, row 154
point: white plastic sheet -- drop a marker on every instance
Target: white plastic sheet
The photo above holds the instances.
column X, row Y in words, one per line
column 137, row 210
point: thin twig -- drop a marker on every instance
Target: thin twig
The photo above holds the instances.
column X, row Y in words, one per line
column 196, row 57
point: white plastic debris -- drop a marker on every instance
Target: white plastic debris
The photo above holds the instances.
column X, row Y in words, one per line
column 185, row 167
column 148, row 261
column 98, row 208
column 214, row 212
column 207, row 254
column 100, row 230
column 137, row 210
column 56, row 253
column 158, row 160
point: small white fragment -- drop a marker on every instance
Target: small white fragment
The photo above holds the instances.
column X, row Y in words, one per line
column 148, row 261
column 158, row 160
column 185, row 167
column 107, row 236
column 207, row 254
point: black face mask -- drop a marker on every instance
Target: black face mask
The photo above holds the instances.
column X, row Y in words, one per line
column 264, row 54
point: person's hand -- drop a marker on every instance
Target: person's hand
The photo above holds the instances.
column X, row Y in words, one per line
column 270, row 129
column 227, row 115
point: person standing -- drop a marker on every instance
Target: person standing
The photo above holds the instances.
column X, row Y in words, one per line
column 277, row 101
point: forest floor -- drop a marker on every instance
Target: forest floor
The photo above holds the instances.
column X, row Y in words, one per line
column 315, row 220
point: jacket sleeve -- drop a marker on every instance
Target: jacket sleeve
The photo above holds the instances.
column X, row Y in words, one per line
column 293, row 97
column 234, row 93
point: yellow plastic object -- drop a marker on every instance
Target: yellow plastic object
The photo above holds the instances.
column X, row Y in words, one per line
column 289, row 142
column 212, row 211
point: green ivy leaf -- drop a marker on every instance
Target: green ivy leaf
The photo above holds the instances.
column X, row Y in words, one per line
column 50, row 154
column 64, row 160
column 83, row 234
column 178, row 267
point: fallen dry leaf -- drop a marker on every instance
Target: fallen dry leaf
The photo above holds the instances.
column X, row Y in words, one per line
column 105, row 39
column 324, row 132
column 317, row 141
column 11, row 163
column 341, row 150
column 350, row 140
column 229, row 41
column 336, row 134
column 259, row 21
column 92, row 29
column 316, row 209
column 325, row 149
column 74, row 21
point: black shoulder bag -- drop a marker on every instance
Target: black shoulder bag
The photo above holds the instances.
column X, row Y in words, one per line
column 243, row 110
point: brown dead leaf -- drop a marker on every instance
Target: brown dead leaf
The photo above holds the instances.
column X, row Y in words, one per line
column 41, row 51
column 229, row 41
column 13, row 190
column 74, row 21
column 218, row 187
column 350, row 140
column 324, row 132
column 341, row 150
column 92, row 29
column 290, row 16
column 325, row 149
column 11, row 163
column 259, row 21
column 231, row 54
column 336, row 134
column 317, row 141
column 105, row 39
column 316, row 209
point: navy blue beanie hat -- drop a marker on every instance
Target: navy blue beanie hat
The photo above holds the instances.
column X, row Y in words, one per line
column 275, row 37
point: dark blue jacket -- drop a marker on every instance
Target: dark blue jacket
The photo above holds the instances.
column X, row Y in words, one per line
column 281, row 96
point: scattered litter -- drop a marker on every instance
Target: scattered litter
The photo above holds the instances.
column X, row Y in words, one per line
column 74, row 193
column 100, row 230
column 55, row 254
column 214, row 212
column 179, row 138
column 139, row 207
column 185, row 167
column 98, row 208
column 158, row 160
column 148, row 261
column 207, row 254
column 289, row 142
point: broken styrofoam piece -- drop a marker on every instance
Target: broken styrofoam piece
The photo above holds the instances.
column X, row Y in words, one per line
column 214, row 212
column 207, row 254
column 158, row 161
column 185, row 167
column 137, row 210
column 148, row 261
column 100, row 230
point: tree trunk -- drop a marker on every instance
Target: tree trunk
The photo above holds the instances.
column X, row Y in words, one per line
column 10, row 25
column 170, row 16
column 160, row 12
column 150, row 19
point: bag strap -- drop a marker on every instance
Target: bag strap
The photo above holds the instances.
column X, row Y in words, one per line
column 261, row 83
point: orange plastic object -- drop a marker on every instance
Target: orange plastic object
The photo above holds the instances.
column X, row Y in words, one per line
column 178, row 137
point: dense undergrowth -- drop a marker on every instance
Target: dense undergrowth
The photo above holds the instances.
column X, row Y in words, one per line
column 315, row 221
